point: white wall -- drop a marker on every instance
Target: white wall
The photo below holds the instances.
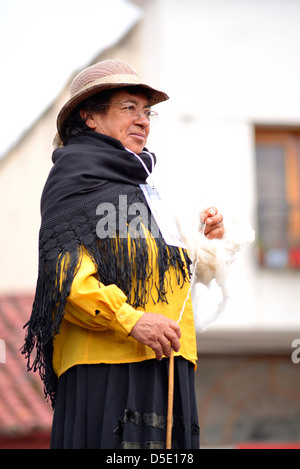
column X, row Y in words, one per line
column 227, row 65
column 22, row 177
column 240, row 57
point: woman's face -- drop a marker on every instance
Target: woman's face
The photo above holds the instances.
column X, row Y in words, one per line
column 121, row 122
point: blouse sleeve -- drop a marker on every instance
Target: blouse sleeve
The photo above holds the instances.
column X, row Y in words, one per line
column 93, row 305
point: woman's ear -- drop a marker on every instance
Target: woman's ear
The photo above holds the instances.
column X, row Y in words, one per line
column 88, row 118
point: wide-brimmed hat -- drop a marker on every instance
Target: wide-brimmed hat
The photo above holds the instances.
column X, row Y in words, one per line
column 101, row 76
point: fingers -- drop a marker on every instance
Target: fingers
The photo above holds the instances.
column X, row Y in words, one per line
column 161, row 348
column 211, row 212
column 166, row 342
column 158, row 332
column 213, row 223
column 212, row 216
column 162, row 340
column 214, row 227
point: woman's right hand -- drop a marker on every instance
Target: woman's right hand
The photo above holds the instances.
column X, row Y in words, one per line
column 158, row 332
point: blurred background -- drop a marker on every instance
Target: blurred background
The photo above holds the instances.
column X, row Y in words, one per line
column 229, row 136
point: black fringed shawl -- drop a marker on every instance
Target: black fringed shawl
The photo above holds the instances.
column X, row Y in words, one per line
column 92, row 169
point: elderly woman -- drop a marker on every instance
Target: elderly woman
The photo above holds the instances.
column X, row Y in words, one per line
column 110, row 288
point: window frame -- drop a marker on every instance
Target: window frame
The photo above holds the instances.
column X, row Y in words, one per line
column 289, row 139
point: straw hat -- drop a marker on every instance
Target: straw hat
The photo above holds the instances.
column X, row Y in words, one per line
column 101, row 76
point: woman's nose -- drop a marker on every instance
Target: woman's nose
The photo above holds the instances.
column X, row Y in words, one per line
column 142, row 119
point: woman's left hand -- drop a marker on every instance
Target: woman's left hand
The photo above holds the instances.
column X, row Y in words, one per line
column 213, row 223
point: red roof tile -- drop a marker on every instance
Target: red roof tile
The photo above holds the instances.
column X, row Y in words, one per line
column 23, row 408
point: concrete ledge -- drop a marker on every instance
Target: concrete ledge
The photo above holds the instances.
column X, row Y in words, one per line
column 247, row 341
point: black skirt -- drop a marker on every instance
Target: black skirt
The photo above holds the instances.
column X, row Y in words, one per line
column 124, row 406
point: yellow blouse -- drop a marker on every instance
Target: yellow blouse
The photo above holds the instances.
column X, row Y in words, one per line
column 98, row 321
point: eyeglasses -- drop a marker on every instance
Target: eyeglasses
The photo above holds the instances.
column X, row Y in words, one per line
column 133, row 111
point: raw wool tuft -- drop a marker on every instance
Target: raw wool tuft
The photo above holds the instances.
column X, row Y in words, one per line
column 211, row 261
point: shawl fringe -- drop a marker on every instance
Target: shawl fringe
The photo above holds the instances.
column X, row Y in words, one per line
column 120, row 260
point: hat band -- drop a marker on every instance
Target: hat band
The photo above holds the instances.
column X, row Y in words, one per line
column 113, row 79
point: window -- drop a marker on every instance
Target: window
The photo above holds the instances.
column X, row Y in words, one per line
column 278, row 196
